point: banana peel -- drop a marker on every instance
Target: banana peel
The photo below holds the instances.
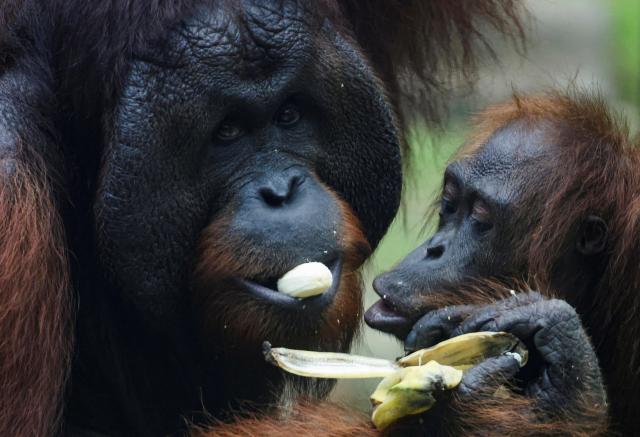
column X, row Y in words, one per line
column 411, row 391
column 467, row 350
column 410, row 383
column 328, row 364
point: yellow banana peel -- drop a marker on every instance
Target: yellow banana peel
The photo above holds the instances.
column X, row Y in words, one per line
column 409, row 383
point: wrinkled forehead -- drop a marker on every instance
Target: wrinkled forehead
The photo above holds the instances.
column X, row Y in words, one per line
column 512, row 157
column 250, row 38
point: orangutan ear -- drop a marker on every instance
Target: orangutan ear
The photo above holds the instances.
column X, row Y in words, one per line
column 593, row 236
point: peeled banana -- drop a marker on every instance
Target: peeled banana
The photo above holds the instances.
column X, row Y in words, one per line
column 306, row 280
column 409, row 384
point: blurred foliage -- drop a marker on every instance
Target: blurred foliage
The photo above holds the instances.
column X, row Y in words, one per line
column 626, row 41
column 431, row 150
column 430, row 153
column 428, row 157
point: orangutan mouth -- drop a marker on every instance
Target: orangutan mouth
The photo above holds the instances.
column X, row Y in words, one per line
column 384, row 317
column 267, row 291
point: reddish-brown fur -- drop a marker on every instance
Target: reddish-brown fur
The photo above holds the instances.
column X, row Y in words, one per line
column 36, row 313
column 595, row 171
column 436, row 38
column 245, row 323
column 220, row 260
column 484, row 415
column 307, row 419
column 82, row 51
column 488, row 415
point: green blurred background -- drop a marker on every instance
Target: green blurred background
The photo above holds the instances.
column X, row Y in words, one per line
column 592, row 43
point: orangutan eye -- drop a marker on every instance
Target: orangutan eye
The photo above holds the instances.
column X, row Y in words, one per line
column 288, row 115
column 228, row 131
column 447, row 206
column 449, row 202
column 481, row 216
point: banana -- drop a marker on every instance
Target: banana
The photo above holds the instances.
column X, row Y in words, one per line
column 409, row 384
column 411, row 391
column 328, row 364
column 467, row 350
column 306, row 280
column 425, row 372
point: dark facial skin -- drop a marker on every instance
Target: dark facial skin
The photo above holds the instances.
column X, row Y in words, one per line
column 486, row 218
column 251, row 119
column 483, row 222
column 268, row 130
column 479, row 202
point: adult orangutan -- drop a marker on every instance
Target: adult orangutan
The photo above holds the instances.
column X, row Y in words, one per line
column 546, row 191
column 163, row 162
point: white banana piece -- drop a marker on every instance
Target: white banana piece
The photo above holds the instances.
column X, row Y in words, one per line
column 306, row 280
